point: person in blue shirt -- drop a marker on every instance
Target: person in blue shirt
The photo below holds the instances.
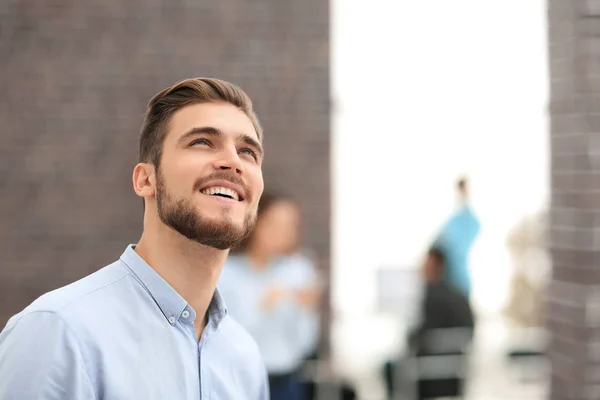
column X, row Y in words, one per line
column 272, row 290
column 152, row 324
column 456, row 239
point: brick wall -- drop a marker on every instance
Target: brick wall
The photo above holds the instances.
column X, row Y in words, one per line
column 75, row 79
column 574, row 301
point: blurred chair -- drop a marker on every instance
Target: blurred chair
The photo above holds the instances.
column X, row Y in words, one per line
column 439, row 369
column 328, row 385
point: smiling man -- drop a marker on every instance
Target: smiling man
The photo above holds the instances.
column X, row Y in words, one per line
column 152, row 325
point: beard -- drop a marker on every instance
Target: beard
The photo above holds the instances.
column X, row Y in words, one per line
column 181, row 215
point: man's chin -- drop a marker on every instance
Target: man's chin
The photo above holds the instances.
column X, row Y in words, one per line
column 218, row 219
column 223, row 225
column 218, row 236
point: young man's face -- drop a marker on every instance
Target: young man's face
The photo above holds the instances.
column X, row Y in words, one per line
column 210, row 178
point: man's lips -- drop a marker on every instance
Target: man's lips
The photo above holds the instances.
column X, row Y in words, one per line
column 223, row 188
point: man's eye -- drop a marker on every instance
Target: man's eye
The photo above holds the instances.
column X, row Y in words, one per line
column 250, row 152
column 203, row 142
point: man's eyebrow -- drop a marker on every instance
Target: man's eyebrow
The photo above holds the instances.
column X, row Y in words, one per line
column 210, row 130
column 198, row 130
column 250, row 141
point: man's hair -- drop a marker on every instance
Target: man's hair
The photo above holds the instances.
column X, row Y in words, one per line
column 440, row 258
column 184, row 93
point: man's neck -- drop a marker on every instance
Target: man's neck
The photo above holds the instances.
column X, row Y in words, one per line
column 192, row 269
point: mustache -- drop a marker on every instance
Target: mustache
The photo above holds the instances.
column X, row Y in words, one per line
column 225, row 176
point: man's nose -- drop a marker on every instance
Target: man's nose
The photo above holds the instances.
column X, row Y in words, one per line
column 229, row 159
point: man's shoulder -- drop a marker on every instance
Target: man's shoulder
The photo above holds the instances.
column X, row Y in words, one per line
column 85, row 293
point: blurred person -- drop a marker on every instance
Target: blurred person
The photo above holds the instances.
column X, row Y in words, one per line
column 456, row 239
column 272, row 290
column 527, row 244
column 152, row 325
column 524, row 311
column 444, row 307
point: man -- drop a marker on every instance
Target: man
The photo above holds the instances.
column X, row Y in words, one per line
column 444, row 310
column 457, row 238
column 443, row 305
column 152, row 325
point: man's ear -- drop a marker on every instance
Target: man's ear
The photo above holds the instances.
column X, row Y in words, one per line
column 144, row 180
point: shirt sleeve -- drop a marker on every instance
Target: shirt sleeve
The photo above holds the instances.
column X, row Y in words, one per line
column 40, row 359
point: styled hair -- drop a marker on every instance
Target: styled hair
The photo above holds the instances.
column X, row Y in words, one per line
column 184, row 93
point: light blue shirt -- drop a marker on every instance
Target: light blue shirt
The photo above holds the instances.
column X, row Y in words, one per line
column 123, row 333
column 285, row 334
column 456, row 239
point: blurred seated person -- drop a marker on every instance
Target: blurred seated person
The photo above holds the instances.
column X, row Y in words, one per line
column 444, row 307
column 272, row 291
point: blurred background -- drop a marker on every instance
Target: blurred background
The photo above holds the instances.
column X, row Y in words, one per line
column 470, row 127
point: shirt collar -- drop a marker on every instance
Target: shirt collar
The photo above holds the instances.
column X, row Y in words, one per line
column 171, row 304
column 217, row 309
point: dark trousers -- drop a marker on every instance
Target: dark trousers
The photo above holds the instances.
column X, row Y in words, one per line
column 286, row 387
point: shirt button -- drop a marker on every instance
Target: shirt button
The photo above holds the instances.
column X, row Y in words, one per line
column 172, row 320
column 185, row 314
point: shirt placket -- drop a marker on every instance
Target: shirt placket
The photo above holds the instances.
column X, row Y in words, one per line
column 187, row 320
column 204, row 393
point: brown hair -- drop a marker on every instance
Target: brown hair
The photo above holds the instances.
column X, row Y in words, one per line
column 439, row 256
column 184, row 93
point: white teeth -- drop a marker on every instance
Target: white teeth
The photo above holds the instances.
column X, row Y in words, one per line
column 221, row 190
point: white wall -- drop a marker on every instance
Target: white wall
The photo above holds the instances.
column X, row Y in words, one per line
column 425, row 91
